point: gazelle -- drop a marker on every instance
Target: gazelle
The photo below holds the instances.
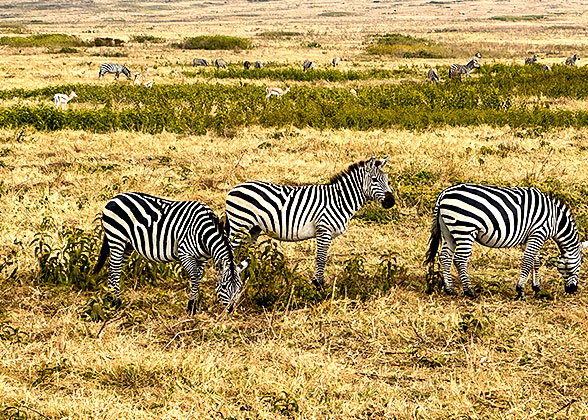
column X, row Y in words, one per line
column 274, row 91
column 60, row 100
column 140, row 80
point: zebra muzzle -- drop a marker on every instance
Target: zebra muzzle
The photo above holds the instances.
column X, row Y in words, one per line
column 388, row 201
column 571, row 288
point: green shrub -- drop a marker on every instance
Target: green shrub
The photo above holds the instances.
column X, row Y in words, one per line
column 42, row 40
column 406, row 46
column 215, row 42
column 66, row 50
column 519, row 18
column 147, row 38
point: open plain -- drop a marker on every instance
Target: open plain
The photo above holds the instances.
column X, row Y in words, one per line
column 383, row 340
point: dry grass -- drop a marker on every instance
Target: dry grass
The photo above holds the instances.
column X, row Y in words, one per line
column 406, row 355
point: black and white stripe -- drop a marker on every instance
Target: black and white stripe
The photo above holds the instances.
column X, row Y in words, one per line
column 115, row 69
column 457, row 70
column 312, row 211
column 200, row 62
column 433, row 76
column 503, row 217
column 220, row 63
column 530, row 60
column 571, row 61
column 307, row 65
column 163, row 231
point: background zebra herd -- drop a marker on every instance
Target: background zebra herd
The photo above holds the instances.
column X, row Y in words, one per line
column 162, row 230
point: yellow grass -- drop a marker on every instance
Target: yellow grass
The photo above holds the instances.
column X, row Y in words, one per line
column 406, row 355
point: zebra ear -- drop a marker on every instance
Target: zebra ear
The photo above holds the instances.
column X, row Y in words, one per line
column 370, row 163
column 583, row 246
column 382, row 163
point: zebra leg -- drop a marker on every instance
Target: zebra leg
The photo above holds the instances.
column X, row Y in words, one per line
column 536, row 283
column 119, row 253
column 463, row 251
column 323, row 242
column 533, row 246
column 195, row 269
column 446, row 258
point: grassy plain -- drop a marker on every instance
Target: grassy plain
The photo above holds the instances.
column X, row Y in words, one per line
column 406, row 354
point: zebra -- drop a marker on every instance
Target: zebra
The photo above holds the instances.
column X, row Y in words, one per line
column 456, row 70
column 247, row 65
column 335, row 61
column 433, row 76
column 258, row 64
column 530, row 60
column 117, row 69
column 200, row 62
column 220, row 63
column 571, row 61
column 307, row 65
column 164, row 230
column 311, row 211
column 503, row 217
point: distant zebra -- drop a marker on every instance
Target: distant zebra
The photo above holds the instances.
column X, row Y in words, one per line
column 546, row 67
column 116, row 69
column 530, row 60
column 258, row 65
column 335, row 61
column 163, row 230
column 312, row 211
column 433, row 76
column 247, row 65
column 220, row 63
column 307, row 65
column 503, row 217
column 571, row 61
column 200, row 62
column 456, row 70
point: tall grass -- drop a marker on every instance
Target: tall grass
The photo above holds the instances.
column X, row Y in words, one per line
column 406, row 46
column 214, row 42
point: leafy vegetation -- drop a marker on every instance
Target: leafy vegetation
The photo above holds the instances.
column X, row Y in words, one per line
column 214, row 42
column 42, row 40
column 147, row 38
column 406, row 46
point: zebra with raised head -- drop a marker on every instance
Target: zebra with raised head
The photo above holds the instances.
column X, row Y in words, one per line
column 247, row 65
column 115, row 69
column 457, row 70
column 220, row 63
column 163, row 231
column 200, row 62
column 433, row 76
column 530, row 60
column 258, row 64
column 307, row 65
column 571, row 61
column 503, row 217
column 311, row 211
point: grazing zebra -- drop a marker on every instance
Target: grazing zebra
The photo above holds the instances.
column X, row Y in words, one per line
column 220, row 63
column 247, row 65
column 275, row 92
column 312, row 211
column 530, row 60
column 571, row 61
column 456, row 70
column 307, row 65
column 258, row 65
column 546, row 67
column 335, row 61
column 200, row 62
column 503, row 217
column 433, row 76
column 163, row 230
column 116, row 69
column 60, row 100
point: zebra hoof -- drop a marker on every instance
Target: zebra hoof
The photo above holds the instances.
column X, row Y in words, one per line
column 572, row 288
column 470, row 293
column 536, row 288
column 116, row 303
column 521, row 297
column 450, row 292
column 319, row 285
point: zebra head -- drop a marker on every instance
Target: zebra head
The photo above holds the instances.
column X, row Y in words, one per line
column 376, row 183
column 568, row 266
column 229, row 284
column 126, row 72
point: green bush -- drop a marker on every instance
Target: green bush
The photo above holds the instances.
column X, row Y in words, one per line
column 406, row 46
column 42, row 40
column 214, row 42
column 147, row 38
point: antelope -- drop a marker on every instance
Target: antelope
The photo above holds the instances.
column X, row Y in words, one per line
column 335, row 61
column 60, row 100
column 353, row 93
column 274, row 91
column 140, row 80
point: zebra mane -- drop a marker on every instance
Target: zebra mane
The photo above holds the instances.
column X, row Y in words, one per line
column 222, row 230
column 352, row 168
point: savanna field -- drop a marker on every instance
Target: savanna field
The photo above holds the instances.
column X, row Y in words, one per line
column 382, row 341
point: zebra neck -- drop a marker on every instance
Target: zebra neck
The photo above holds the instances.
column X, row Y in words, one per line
column 349, row 190
column 220, row 251
column 565, row 232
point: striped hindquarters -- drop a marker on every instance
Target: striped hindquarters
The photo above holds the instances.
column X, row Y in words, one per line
column 114, row 69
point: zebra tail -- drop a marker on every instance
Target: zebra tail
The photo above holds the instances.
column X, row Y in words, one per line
column 435, row 238
column 104, row 251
